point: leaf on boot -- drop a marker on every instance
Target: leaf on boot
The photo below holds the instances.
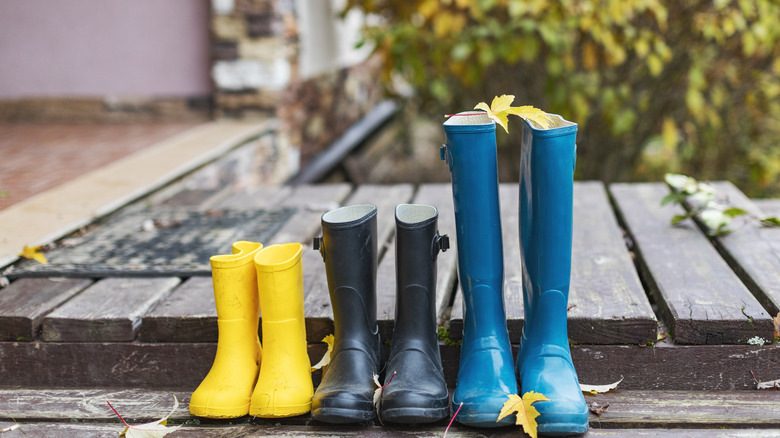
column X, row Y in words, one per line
column 325, row 357
column 154, row 429
column 599, row 389
column 34, row 253
column 500, row 109
column 526, row 414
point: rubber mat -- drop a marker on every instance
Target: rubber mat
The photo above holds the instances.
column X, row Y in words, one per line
column 154, row 242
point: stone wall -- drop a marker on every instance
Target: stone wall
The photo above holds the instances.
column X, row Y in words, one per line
column 256, row 50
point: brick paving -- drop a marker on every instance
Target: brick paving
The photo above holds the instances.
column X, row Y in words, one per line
column 38, row 157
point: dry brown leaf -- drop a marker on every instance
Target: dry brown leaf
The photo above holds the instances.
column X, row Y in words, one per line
column 597, row 408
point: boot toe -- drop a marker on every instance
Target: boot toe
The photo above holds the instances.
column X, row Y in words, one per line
column 223, row 403
column 411, row 407
column 342, row 407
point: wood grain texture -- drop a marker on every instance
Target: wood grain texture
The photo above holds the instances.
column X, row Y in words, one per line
column 700, row 298
column 108, row 311
column 628, row 409
column 25, row 302
column 608, row 303
column 770, row 206
column 188, row 314
column 184, row 365
column 752, row 250
column 252, row 430
column 319, row 313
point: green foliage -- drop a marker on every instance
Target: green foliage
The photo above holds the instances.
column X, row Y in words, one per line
column 703, row 201
column 444, row 336
column 656, row 85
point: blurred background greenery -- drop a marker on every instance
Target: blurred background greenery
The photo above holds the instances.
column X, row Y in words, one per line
column 688, row 86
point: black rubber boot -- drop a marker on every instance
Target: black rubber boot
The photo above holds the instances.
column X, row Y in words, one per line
column 417, row 392
column 349, row 249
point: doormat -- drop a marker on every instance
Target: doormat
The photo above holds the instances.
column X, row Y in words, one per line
column 155, row 242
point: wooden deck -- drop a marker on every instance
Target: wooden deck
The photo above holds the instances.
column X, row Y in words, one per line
column 66, row 344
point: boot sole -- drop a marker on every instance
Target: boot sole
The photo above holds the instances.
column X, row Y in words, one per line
column 342, row 416
column 212, row 412
column 562, row 429
column 280, row 411
column 415, row 415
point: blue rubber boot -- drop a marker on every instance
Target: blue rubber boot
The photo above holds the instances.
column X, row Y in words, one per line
column 486, row 374
column 544, row 362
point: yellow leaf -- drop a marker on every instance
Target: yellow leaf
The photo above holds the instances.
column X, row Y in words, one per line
column 34, row 253
column 537, row 117
column 526, row 414
column 325, row 357
column 776, row 322
column 501, row 108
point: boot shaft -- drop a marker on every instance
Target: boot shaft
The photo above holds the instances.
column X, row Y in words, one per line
column 546, row 195
column 235, row 282
column 470, row 153
column 280, row 282
column 417, row 247
column 349, row 248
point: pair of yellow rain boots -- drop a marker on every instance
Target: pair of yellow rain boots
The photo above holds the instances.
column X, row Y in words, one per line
column 250, row 280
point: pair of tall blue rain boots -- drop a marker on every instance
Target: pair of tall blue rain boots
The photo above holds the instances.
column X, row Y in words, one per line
column 417, row 392
column 487, row 373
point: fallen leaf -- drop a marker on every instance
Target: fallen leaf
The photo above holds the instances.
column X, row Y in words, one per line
column 599, row 389
column 378, row 393
column 525, row 413
column 597, row 408
column 776, row 321
column 154, row 429
column 325, row 357
column 34, row 253
column 500, row 109
column 10, row 428
column 770, row 384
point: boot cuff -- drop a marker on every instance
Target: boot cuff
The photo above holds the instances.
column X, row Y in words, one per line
column 561, row 127
column 469, row 122
column 348, row 217
column 277, row 258
column 413, row 216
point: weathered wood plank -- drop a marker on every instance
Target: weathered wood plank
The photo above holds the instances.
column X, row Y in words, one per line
column 68, row 430
column 255, row 197
column 700, row 298
column 25, row 302
column 509, row 196
column 609, row 305
column 108, row 311
column 770, row 206
column 627, row 410
column 749, row 249
column 317, row 306
column 184, row 365
column 312, row 202
column 188, row 314
column 670, row 409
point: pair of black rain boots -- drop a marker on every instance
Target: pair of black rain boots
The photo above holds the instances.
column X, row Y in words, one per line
column 418, row 392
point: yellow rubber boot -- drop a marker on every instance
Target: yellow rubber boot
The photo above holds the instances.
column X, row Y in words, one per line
column 284, row 387
column 226, row 390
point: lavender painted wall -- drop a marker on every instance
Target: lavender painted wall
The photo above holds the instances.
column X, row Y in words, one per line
column 93, row 48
